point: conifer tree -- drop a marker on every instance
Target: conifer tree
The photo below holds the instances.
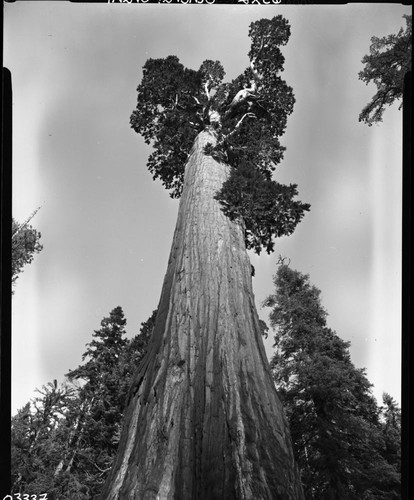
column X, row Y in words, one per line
column 391, row 421
column 204, row 420
column 95, row 426
column 334, row 418
column 64, row 441
column 38, row 442
column 25, row 243
column 386, row 65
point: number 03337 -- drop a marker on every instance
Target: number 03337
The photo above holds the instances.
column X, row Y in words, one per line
column 25, row 496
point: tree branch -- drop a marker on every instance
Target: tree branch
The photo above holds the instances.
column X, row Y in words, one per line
column 102, row 471
column 25, row 223
column 244, row 94
column 252, row 62
column 207, row 90
column 238, row 124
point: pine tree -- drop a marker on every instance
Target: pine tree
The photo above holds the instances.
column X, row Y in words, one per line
column 204, row 420
column 334, row 418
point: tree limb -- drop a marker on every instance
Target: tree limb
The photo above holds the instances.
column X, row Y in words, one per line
column 102, row 470
column 238, row 124
column 25, row 223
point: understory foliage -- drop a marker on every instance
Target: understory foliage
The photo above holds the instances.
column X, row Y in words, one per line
column 345, row 446
column 247, row 117
column 64, row 441
column 386, row 65
column 25, row 243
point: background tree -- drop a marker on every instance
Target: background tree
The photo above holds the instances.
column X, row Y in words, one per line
column 95, row 425
column 339, row 440
column 204, row 419
column 37, row 443
column 25, row 243
column 65, row 440
column 133, row 354
column 386, row 65
column 391, row 422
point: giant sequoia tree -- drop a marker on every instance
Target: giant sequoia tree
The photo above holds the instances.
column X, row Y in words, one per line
column 204, row 420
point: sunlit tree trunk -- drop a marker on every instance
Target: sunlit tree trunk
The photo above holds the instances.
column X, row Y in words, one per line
column 204, row 420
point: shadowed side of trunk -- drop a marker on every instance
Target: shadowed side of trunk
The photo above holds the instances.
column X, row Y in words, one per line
column 204, row 420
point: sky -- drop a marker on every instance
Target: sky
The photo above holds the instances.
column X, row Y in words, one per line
column 107, row 227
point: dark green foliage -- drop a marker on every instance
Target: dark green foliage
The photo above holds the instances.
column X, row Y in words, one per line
column 212, row 74
column 386, row 65
column 335, row 422
column 264, row 328
column 247, row 116
column 103, row 354
column 64, row 442
column 391, row 418
column 102, row 399
column 168, row 117
column 38, row 440
column 266, row 207
column 25, row 243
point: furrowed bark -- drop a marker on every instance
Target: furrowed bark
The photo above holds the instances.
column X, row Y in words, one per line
column 204, row 421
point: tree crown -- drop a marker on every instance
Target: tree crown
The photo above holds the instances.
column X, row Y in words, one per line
column 247, row 116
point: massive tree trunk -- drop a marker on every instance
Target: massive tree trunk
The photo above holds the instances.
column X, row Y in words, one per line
column 204, row 421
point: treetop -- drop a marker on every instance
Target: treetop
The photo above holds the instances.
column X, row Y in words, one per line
column 247, row 116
